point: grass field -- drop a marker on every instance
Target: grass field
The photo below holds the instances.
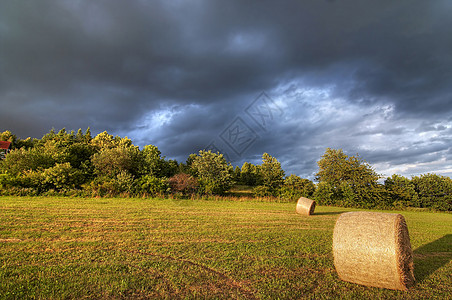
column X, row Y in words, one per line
column 75, row 248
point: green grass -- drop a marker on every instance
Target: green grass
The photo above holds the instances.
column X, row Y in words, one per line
column 75, row 248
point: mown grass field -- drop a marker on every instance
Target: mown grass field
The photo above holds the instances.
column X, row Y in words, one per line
column 75, row 248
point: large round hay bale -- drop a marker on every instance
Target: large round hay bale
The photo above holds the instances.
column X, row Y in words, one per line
column 373, row 249
column 305, row 206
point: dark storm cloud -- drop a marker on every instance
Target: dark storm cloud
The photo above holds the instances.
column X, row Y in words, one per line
column 358, row 75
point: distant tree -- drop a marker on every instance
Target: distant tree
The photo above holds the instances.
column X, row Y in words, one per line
column 401, row 191
column 88, row 136
column 295, row 187
column 237, row 175
column 250, row 175
column 152, row 161
column 79, row 136
column 62, row 177
column 213, row 172
column 21, row 160
column 170, row 168
column 352, row 181
column 153, row 186
column 434, row 191
column 272, row 174
column 104, row 140
column 113, row 161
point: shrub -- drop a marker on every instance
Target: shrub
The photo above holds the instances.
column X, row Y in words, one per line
column 113, row 161
column 295, row 187
column 122, row 183
column 434, row 191
column 183, row 183
column 213, row 172
column 262, row 191
column 62, row 177
column 401, row 191
column 153, row 186
column 324, row 194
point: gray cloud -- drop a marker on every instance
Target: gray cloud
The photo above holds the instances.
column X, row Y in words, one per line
column 367, row 77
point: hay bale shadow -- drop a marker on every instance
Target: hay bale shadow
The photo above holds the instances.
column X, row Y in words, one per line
column 326, row 213
column 432, row 256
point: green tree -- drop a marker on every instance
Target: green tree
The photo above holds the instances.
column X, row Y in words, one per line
column 27, row 143
column 237, row 175
column 295, row 187
column 353, row 182
column 187, row 166
column 325, row 194
column 104, row 140
column 213, row 172
column 88, row 136
column 153, row 162
column 20, row 160
column 79, row 137
column 62, row 177
column 401, row 191
column 169, row 168
column 113, row 161
column 153, row 186
column 249, row 174
column 434, row 191
column 272, row 174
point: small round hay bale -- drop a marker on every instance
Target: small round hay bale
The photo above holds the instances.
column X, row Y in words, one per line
column 305, row 206
column 373, row 249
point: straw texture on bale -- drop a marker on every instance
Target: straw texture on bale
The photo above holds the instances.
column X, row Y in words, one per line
column 373, row 249
column 305, row 206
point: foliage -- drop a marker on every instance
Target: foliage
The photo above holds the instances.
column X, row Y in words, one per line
column 237, row 175
column 62, row 176
column 295, row 187
column 350, row 181
column 213, row 172
column 262, row 191
column 153, row 186
column 122, row 183
column 106, row 141
column 324, row 194
column 112, row 161
column 272, row 175
column 250, row 175
column 20, row 160
column 169, row 168
column 152, row 161
column 8, row 136
column 401, row 190
column 183, row 183
column 434, row 191
column 76, row 163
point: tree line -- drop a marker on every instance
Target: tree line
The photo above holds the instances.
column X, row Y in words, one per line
column 75, row 163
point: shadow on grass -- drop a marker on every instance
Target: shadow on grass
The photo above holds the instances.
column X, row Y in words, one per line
column 431, row 257
column 326, row 213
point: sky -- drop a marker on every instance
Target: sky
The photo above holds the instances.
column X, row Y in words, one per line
column 289, row 78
